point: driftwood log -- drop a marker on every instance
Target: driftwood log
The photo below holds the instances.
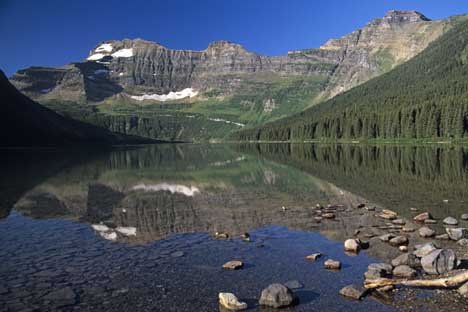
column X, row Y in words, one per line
column 446, row 282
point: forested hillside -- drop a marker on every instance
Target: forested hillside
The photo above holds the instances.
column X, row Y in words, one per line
column 427, row 97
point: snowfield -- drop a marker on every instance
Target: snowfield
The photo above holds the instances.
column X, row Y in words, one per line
column 173, row 188
column 188, row 92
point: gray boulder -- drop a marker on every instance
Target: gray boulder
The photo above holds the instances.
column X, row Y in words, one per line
column 407, row 259
column 277, row 296
column 423, row 250
column 439, row 261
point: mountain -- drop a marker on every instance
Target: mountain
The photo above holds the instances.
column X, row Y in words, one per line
column 225, row 86
column 26, row 124
column 426, row 97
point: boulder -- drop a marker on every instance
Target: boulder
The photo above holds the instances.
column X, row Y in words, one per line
column 426, row 232
column 353, row 291
column 277, row 296
column 423, row 250
column 352, row 245
column 439, row 261
column 399, row 240
column 407, row 259
column 422, row 217
column 450, row 221
column 404, row 271
column 230, row 302
column 332, row 264
column 457, row 233
column 233, row 265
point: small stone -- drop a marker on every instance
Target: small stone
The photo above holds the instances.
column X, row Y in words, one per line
column 403, row 248
column 356, row 232
column 464, row 217
column 450, row 221
column 425, row 249
column 386, row 237
column 426, row 232
column 221, row 235
column 399, row 240
column 277, row 296
column 387, row 216
column 408, row 229
column 463, row 290
column 245, row 237
column 318, row 219
column 399, row 222
column 328, row 215
column 413, row 209
column 233, row 265
column 370, row 208
column 361, row 205
column 314, row 256
column 352, row 245
column 62, row 297
column 386, row 288
column 442, row 237
column 439, row 261
column 422, row 217
column 230, row 302
column 457, row 233
column 353, row 291
column 177, row 254
column 404, row 271
column 430, row 221
column 463, row 242
column 294, row 284
column 389, row 212
column 332, row 264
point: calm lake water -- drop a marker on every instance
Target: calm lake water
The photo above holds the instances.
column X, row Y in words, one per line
column 132, row 229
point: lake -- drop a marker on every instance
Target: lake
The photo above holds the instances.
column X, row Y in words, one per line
column 133, row 229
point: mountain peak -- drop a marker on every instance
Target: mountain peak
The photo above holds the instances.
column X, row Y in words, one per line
column 397, row 16
column 224, row 45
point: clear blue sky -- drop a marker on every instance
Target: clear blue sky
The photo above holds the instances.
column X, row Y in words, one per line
column 56, row 32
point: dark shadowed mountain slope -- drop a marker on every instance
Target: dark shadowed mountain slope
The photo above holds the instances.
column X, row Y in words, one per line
column 26, row 123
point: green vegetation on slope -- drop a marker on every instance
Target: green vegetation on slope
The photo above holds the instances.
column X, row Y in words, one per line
column 427, row 97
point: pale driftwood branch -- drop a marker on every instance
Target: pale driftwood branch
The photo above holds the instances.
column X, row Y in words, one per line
column 446, row 282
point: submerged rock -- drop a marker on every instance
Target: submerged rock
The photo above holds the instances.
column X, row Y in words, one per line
column 353, row 292
column 422, row 217
column 277, row 296
column 294, row 284
column 233, row 265
column 230, row 302
column 426, row 232
column 439, row 261
column 450, row 221
column 457, row 233
column 332, row 264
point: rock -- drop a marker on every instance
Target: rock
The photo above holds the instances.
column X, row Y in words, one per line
column 457, row 233
column 464, row 217
column 62, row 297
column 328, row 215
column 277, row 296
column 294, row 284
column 426, row 232
column 404, row 271
column 230, row 302
column 413, row 209
column 245, row 237
column 356, row 232
column 370, row 208
column 378, row 270
column 387, row 216
column 332, row 264
column 463, row 242
column 442, row 237
column 233, row 265
column 399, row 222
column 450, row 221
column 408, row 229
column 361, row 205
column 463, row 290
column 430, row 221
column 423, row 250
column 439, row 261
column 422, row 217
column 399, row 240
column 352, row 245
column 386, row 237
column 353, row 292
column 386, row 288
column 407, row 259
column 389, row 212
column 403, row 248
column 221, row 235
column 314, row 256
column 177, row 254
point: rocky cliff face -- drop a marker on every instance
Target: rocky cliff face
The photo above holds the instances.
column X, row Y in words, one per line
column 138, row 67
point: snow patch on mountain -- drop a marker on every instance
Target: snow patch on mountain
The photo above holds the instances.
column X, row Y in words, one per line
column 227, row 121
column 123, row 53
column 173, row 188
column 105, row 47
column 95, row 57
column 188, row 92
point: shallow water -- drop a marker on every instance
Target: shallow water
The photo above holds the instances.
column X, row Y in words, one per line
column 174, row 197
